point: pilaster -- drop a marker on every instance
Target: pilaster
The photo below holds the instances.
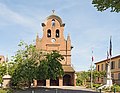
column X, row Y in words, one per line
column 47, row 82
column 35, row 83
column 60, row 81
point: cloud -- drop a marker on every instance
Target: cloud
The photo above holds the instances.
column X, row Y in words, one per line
column 11, row 17
column 68, row 6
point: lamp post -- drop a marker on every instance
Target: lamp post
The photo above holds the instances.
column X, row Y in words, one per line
column 7, row 65
column 7, row 77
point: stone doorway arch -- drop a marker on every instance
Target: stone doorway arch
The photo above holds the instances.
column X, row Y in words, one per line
column 54, row 82
column 67, row 80
column 41, row 82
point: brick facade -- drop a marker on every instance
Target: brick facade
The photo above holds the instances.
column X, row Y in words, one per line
column 53, row 39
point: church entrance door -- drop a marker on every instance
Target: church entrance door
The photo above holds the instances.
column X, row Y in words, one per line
column 66, row 80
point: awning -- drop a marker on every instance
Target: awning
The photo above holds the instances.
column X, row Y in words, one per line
column 68, row 68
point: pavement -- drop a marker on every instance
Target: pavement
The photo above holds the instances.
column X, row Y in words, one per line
column 57, row 89
column 71, row 88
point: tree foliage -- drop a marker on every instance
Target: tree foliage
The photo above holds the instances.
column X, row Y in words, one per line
column 50, row 67
column 24, row 73
column 55, row 67
column 24, row 67
column 102, row 5
column 30, row 64
column 2, row 71
column 84, row 77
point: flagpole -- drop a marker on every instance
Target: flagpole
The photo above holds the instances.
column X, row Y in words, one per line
column 110, row 52
column 91, row 77
column 91, row 83
column 110, row 82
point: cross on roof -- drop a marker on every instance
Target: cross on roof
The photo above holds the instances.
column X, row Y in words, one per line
column 53, row 11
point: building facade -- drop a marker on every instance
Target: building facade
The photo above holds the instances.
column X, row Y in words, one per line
column 53, row 39
column 2, row 59
column 115, row 69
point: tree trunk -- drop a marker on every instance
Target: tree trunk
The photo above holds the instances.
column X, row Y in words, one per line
column 29, row 84
column 85, row 82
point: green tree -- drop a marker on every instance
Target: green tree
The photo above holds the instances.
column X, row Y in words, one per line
column 42, row 69
column 54, row 66
column 11, row 67
column 82, row 78
column 24, row 74
column 30, row 64
column 102, row 5
column 2, row 71
column 24, row 67
column 50, row 67
column 97, row 74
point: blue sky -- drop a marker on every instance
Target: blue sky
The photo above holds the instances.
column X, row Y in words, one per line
column 88, row 28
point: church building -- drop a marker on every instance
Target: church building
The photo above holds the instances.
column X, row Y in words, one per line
column 53, row 39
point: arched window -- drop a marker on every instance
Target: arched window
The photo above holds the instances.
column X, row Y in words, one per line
column 49, row 33
column 53, row 22
column 57, row 33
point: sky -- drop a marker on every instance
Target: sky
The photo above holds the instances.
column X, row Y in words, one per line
column 89, row 29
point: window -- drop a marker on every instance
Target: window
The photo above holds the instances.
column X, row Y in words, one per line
column 101, row 79
column 49, row 33
column 57, row 33
column 119, row 63
column 102, row 67
column 112, row 75
column 119, row 76
column 98, row 68
column 106, row 66
column 98, row 79
column 53, row 22
column 113, row 65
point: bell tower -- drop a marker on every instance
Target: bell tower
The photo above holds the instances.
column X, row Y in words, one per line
column 53, row 39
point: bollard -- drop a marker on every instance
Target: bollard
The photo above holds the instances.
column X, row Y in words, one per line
column 100, row 91
column 114, row 90
column 33, row 91
column 56, row 90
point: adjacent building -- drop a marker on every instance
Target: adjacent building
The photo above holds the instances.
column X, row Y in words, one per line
column 115, row 69
column 2, row 59
column 53, row 39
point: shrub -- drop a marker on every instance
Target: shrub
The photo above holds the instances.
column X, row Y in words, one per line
column 3, row 91
column 116, row 87
column 88, row 86
column 6, row 91
column 96, row 85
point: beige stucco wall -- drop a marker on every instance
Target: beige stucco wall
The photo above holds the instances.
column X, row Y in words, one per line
column 114, row 71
